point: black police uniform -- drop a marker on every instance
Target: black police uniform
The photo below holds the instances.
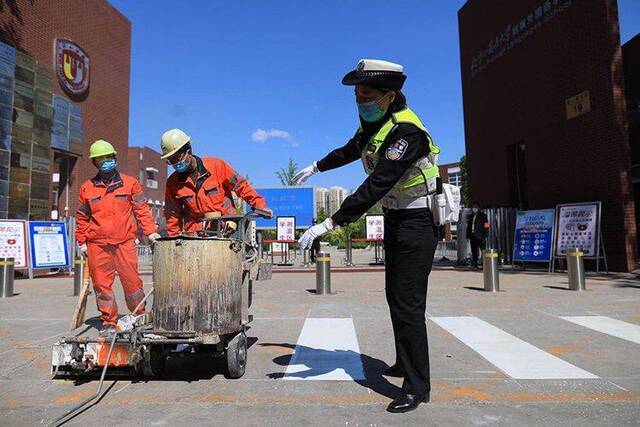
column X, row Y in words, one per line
column 409, row 243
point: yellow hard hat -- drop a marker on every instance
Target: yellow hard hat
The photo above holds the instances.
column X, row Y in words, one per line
column 101, row 148
column 172, row 141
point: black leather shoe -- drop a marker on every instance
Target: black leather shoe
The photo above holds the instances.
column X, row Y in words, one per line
column 394, row 371
column 407, row 402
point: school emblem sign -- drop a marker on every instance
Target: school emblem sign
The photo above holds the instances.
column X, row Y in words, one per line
column 72, row 67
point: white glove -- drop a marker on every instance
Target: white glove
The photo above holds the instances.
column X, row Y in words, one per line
column 305, row 173
column 316, row 231
column 153, row 237
column 82, row 249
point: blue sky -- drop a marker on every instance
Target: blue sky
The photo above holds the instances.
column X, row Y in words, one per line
column 257, row 82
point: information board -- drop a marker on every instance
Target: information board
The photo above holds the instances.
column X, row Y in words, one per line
column 375, row 227
column 298, row 202
column 286, row 228
column 578, row 226
column 13, row 242
column 48, row 242
column 533, row 236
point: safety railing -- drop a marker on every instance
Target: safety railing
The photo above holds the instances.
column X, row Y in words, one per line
column 145, row 255
column 446, row 250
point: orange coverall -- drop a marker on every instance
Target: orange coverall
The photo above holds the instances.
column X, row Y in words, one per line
column 105, row 222
column 186, row 200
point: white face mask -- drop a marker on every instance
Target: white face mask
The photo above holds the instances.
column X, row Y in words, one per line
column 475, row 210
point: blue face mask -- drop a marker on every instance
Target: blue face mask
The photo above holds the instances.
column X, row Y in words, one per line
column 108, row 165
column 371, row 111
column 181, row 166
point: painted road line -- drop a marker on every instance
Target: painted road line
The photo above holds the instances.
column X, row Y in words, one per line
column 609, row 326
column 513, row 356
column 327, row 350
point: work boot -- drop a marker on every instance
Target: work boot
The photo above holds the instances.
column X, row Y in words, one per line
column 394, row 371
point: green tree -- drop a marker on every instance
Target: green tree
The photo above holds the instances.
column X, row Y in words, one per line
column 321, row 215
column 286, row 174
column 464, row 191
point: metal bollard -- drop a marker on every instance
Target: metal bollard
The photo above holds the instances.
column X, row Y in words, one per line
column 78, row 275
column 348, row 260
column 490, row 270
column 575, row 269
column 6, row 277
column 306, row 254
column 323, row 273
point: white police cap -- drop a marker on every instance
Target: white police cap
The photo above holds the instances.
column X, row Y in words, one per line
column 376, row 73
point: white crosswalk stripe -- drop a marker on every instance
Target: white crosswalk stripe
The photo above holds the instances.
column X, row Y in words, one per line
column 327, row 350
column 513, row 356
column 609, row 326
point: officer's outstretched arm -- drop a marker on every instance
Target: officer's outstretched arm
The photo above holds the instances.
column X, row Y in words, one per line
column 338, row 157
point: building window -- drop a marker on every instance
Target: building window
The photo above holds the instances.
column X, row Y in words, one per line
column 152, row 175
column 455, row 176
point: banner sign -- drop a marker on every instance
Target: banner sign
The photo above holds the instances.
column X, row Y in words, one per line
column 286, row 228
column 533, row 236
column 578, row 226
column 375, row 227
column 288, row 201
column 13, row 242
column 48, row 241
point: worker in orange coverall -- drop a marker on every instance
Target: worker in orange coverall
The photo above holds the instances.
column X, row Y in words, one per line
column 109, row 205
column 199, row 186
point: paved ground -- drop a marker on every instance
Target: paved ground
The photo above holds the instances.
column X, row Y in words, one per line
column 475, row 379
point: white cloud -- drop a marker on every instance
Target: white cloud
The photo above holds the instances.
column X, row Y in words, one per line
column 262, row 135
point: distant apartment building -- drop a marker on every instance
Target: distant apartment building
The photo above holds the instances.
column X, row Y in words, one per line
column 322, row 200
column 150, row 170
column 336, row 197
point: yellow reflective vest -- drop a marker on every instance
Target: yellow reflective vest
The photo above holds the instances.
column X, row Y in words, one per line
column 419, row 179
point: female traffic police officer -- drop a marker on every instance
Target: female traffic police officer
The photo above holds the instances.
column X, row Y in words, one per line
column 106, row 232
column 199, row 186
column 401, row 160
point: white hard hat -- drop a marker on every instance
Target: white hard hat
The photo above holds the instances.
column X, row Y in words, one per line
column 172, row 141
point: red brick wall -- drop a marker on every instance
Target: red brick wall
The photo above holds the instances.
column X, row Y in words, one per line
column 444, row 170
column 520, row 98
column 105, row 35
column 150, row 158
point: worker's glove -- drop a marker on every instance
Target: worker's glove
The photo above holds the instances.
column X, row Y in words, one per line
column 153, row 238
column 305, row 173
column 268, row 213
column 82, row 249
column 314, row 232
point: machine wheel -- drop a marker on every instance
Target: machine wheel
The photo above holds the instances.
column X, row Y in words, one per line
column 236, row 355
column 153, row 360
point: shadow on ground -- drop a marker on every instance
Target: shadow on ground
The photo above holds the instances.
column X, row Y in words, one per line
column 372, row 367
column 185, row 366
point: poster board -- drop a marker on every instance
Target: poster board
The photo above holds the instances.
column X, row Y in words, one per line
column 533, row 237
column 298, row 201
column 578, row 226
column 375, row 227
column 286, row 228
column 13, row 242
column 49, row 245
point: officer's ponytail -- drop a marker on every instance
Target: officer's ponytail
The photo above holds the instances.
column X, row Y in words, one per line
column 399, row 102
